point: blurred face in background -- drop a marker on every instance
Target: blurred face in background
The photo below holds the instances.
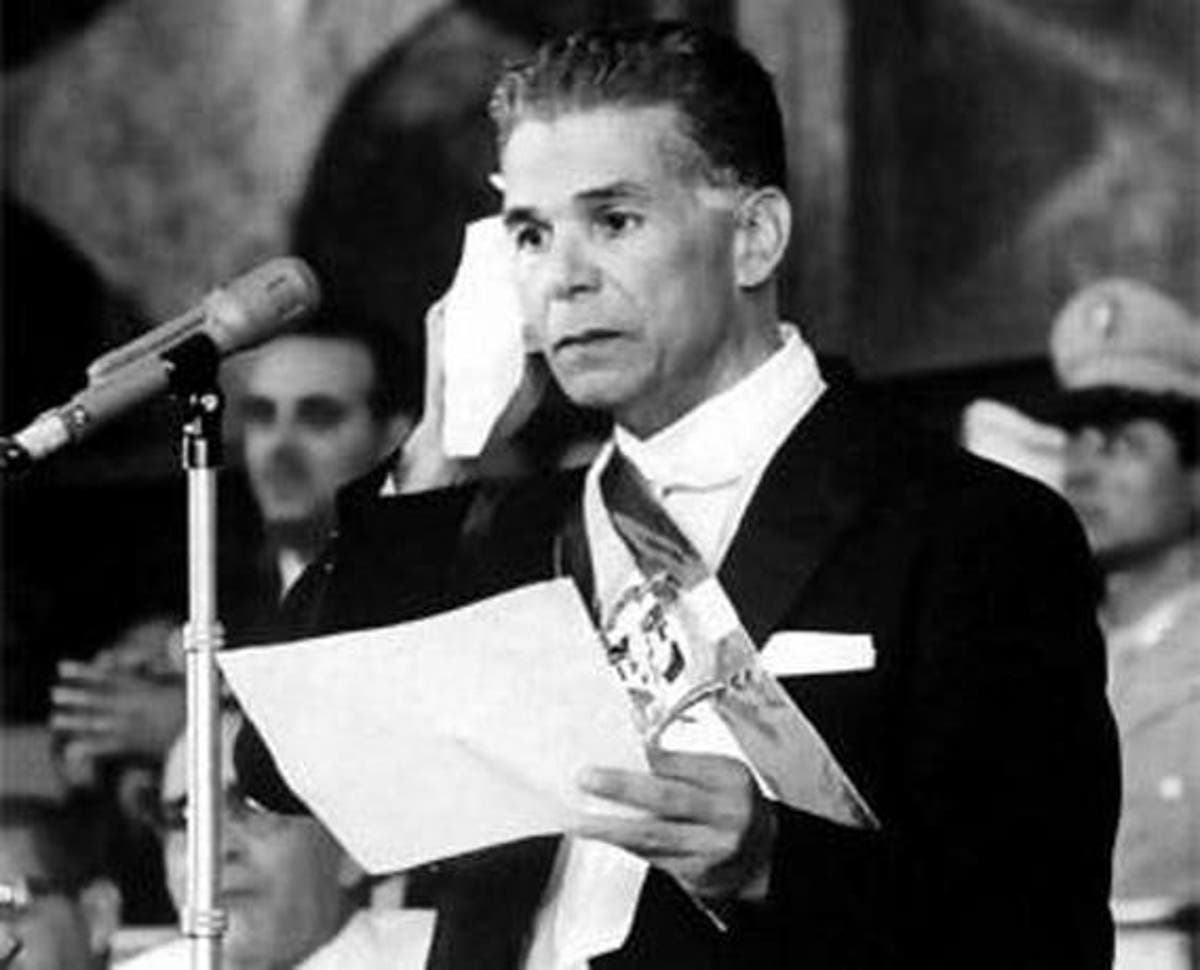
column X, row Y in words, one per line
column 308, row 426
column 56, row 928
column 284, row 882
column 1131, row 490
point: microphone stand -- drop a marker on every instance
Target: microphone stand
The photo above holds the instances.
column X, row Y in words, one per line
column 194, row 381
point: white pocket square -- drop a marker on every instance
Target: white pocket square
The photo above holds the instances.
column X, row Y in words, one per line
column 793, row 653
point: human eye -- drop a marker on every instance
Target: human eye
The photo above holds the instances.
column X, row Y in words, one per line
column 614, row 223
column 256, row 411
column 321, row 413
column 529, row 236
column 1128, row 440
column 250, row 812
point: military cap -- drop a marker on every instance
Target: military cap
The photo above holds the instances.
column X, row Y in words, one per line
column 1124, row 335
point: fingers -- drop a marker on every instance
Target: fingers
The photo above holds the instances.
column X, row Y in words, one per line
column 666, row 798
column 85, row 673
column 702, row 820
column 649, row 838
column 684, row 785
column 89, row 738
column 86, row 723
column 80, row 698
column 88, row 748
column 713, row 772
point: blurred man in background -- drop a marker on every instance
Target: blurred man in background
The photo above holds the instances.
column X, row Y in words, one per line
column 313, row 409
column 293, row 896
column 57, row 910
column 1128, row 358
column 319, row 408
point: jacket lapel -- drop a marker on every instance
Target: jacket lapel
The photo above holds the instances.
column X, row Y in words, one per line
column 812, row 491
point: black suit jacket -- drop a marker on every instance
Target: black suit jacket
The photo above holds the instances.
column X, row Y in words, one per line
column 982, row 737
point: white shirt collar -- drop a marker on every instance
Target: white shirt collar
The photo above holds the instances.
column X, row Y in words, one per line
column 722, row 438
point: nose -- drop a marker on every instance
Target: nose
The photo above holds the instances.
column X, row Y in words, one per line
column 283, row 441
column 233, row 839
column 570, row 269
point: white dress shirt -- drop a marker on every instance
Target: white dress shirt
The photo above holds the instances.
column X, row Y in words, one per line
column 703, row 470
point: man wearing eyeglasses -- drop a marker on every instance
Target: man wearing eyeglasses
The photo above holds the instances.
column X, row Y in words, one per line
column 292, row 895
column 56, row 911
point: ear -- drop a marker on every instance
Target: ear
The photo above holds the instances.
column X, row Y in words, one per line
column 763, row 227
column 100, row 902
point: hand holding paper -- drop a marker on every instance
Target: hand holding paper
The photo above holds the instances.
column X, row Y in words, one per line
column 436, row 737
column 705, row 822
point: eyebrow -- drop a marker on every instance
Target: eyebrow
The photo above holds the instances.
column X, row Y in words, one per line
column 620, row 191
column 617, row 191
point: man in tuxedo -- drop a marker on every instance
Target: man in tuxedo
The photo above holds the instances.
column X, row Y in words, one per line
column 643, row 173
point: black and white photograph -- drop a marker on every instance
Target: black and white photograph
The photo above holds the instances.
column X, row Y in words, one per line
column 600, row 485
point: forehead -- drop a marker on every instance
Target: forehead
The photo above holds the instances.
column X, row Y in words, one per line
column 174, row 779
column 292, row 367
column 560, row 158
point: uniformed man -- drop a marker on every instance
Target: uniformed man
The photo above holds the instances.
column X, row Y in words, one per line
column 1128, row 358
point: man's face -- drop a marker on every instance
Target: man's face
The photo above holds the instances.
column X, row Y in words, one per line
column 307, row 425
column 52, row 932
column 283, row 879
column 1130, row 489
column 624, row 264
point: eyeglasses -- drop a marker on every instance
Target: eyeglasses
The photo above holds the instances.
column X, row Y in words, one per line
column 240, row 808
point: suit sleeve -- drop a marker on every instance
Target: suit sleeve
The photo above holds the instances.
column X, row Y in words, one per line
column 387, row 563
column 995, row 851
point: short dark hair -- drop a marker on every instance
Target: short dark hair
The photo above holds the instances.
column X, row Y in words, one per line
column 1109, row 407
column 66, row 840
column 397, row 385
column 724, row 95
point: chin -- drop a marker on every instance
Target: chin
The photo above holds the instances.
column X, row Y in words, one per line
column 602, row 392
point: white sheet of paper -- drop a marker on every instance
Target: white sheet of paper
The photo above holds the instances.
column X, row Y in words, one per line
column 484, row 351
column 427, row 739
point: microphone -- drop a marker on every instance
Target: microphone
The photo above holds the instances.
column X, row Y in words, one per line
column 245, row 312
